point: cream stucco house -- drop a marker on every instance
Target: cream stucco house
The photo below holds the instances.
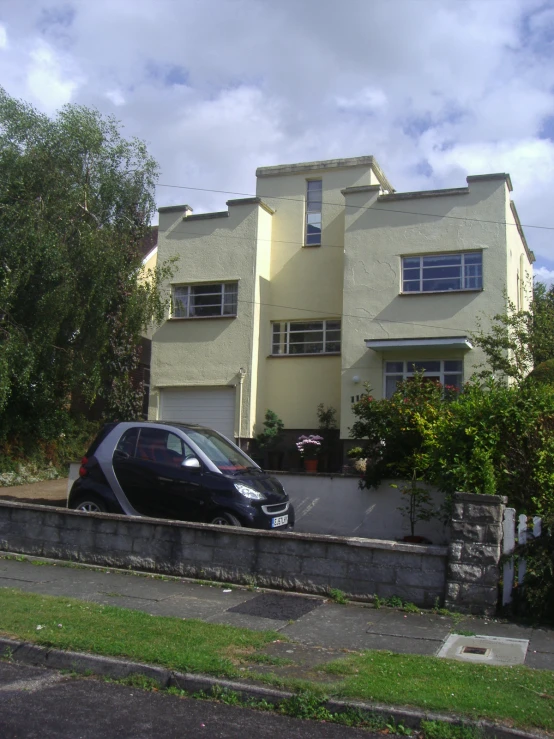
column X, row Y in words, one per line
column 326, row 280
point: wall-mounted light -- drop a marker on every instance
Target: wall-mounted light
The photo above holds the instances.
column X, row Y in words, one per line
column 242, row 372
column 356, row 379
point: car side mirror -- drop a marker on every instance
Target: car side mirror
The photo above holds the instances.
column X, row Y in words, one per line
column 192, row 463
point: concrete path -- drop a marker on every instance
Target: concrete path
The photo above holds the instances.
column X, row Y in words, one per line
column 318, row 629
column 46, row 492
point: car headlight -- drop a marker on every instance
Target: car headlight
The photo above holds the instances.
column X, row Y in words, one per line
column 249, row 492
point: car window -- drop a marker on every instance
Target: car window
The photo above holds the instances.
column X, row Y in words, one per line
column 163, row 447
column 127, row 445
column 218, row 449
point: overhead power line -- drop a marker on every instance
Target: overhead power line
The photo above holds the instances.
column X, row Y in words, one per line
column 365, row 207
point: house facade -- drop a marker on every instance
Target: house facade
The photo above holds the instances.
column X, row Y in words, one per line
column 324, row 282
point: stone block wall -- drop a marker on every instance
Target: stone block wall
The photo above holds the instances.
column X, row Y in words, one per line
column 310, row 563
column 474, row 553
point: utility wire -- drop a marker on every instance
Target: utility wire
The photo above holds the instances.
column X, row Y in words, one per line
column 364, row 207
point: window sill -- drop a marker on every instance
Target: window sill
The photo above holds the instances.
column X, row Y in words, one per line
column 199, row 318
column 311, row 246
column 293, row 356
column 443, row 292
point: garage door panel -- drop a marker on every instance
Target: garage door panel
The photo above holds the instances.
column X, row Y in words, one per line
column 214, row 407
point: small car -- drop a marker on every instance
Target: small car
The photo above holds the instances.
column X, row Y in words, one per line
column 178, row 471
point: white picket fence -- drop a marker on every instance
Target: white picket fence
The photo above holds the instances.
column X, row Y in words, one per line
column 526, row 527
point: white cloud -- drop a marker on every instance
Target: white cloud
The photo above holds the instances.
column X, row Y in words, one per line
column 116, row 97
column 543, row 274
column 3, row 37
column 49, row 79
column 435, row 90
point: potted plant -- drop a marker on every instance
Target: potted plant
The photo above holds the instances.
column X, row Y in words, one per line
column 309, row 448
column 418, row 507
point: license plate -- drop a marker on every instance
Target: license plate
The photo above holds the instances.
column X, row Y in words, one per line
column 279, row 521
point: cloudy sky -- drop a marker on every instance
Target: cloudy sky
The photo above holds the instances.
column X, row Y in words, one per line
column 434, row 89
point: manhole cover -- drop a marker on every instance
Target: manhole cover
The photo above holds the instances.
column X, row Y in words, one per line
column 278, row 607
column 490, row 650
column 475, row 650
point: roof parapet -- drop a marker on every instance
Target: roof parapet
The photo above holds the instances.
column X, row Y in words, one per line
column 175, row 209
column 493, row 176
column 250, row 201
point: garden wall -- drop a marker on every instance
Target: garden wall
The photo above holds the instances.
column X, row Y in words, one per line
column 302, row 562
column 335, row 504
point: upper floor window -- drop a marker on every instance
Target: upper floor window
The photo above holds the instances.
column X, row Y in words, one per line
column 313, row 212
column 306, row 337
column 446, row 371
column 201, row 301
column 442, row 272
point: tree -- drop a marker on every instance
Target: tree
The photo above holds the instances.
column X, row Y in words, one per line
column 76, row 199
column 517, row 341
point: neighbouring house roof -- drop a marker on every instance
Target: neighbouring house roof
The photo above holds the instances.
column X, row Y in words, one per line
column 450, row 342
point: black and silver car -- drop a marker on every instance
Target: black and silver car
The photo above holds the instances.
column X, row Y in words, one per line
column 178, row 471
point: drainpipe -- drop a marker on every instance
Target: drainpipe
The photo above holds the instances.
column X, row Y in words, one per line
column 242, row 375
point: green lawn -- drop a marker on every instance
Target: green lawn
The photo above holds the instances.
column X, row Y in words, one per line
column 517, row 696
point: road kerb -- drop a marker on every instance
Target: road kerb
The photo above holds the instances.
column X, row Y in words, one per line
column 117, row 669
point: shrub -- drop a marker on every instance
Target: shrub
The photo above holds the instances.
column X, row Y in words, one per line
column 544, row 372
column 536, row 597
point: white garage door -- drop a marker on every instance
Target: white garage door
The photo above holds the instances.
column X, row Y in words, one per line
column 209, row 406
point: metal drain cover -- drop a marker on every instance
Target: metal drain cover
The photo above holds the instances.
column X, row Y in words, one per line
column 490, row 650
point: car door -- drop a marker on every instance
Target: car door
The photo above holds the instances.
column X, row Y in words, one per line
column 153, row 478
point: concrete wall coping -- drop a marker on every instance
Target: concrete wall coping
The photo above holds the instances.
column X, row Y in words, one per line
column 430, row 550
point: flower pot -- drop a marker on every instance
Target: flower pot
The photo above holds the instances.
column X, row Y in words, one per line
column 310, row 465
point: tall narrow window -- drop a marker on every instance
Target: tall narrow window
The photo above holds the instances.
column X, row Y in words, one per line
column 313, row 212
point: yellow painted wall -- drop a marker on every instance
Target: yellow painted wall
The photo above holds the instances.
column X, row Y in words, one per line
column 377, row 237
column 208, row 351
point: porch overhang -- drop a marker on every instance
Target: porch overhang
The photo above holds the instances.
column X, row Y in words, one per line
column 448, row 342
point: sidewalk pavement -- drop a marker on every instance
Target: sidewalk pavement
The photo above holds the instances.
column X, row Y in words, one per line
column 317, row 630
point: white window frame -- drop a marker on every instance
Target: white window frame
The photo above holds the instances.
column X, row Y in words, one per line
column 226, row 290
column 408, row 371
column 310, row 211
column 287, row 333
column 464, row 278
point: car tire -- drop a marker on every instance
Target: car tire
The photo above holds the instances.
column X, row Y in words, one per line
column 226, row 519
column 90, row 504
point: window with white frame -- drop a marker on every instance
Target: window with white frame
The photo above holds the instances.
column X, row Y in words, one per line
column 446, row 371
column 202, row 301
column 306, row 337
column 442, row 272
column 314, row 193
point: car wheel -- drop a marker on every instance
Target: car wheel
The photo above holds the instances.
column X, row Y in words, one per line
column 90, row 504
column 226, row 519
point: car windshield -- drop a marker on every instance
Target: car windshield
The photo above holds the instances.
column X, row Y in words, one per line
column 219, row 451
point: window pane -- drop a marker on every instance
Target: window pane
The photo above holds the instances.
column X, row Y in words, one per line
column 476, row 258
column 332, row 346
column 453, row 380
column 411, row 262
column 453, row 365
column 390, row 384
column 411, row 287
column 441, row 285
column 302, row 338
column 314, row 219
column 427, row 366
column 206, row 289
column 332, row 335
column 314, row 185
column 394, row 366
column 180, row 302
column 306, row 348
column 439, row 273
column 313, row 234
column 442, row 260
column 332, row 325
column 230, row 299
column 411, row 274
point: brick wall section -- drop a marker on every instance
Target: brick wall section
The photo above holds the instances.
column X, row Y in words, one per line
column 309, row 563
column 474, row 553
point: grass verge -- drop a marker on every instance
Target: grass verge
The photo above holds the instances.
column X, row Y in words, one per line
column 516, row 696
column 186, row 645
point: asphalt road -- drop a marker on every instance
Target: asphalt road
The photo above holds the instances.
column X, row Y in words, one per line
column 41, row 703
